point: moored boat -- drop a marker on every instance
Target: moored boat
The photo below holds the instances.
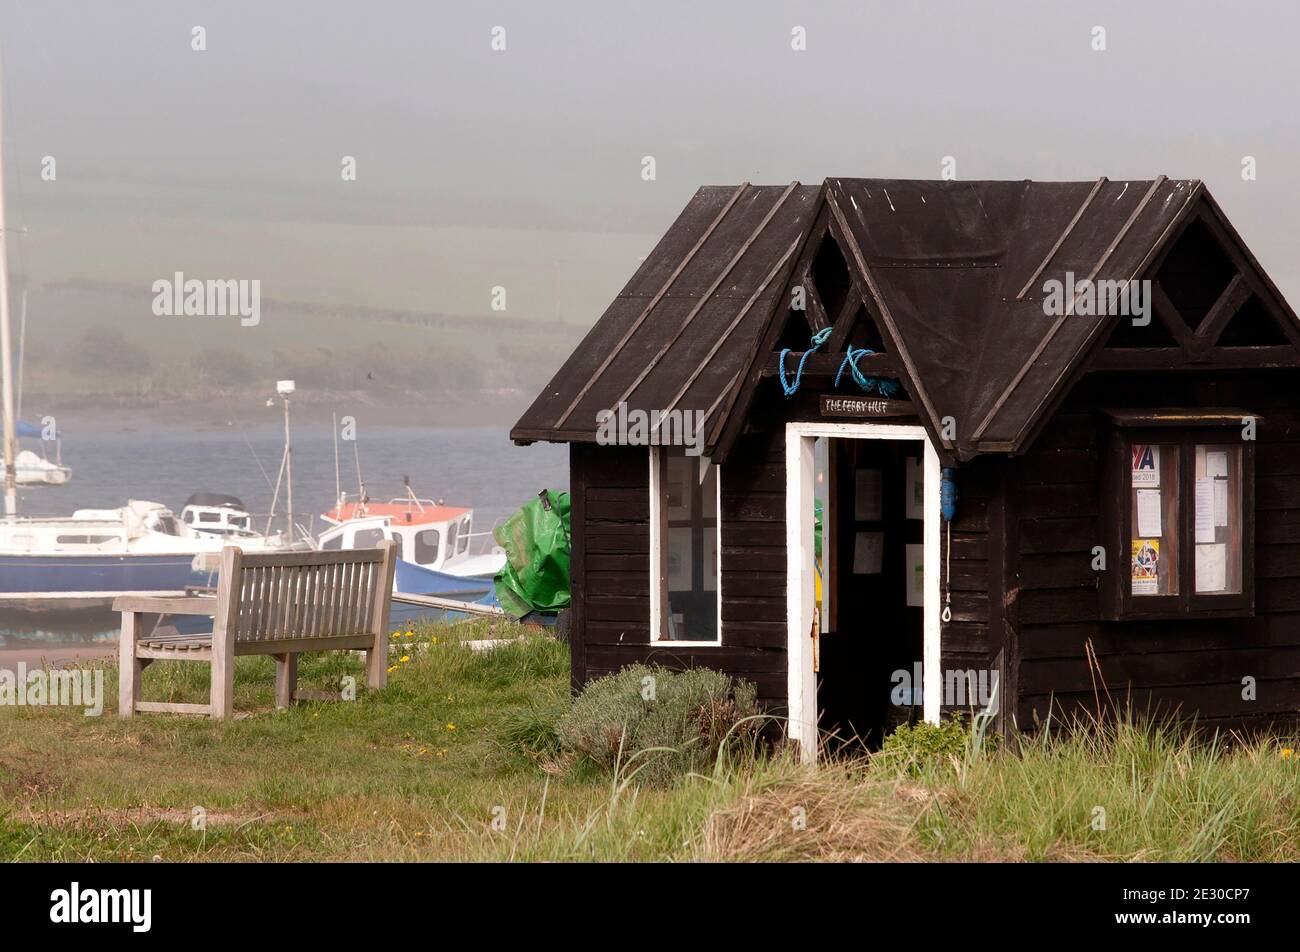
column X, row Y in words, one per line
column 428, row 533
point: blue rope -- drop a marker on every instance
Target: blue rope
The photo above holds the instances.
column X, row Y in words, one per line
column 817, row 340
column 887, row 387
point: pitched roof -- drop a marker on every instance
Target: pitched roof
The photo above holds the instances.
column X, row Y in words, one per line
column 953, row 273
column 959, row 268
column 679, row 333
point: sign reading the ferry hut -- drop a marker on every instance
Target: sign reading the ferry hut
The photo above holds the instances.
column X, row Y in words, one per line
column 836, row 406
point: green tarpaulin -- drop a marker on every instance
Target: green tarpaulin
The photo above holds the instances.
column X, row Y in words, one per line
column 536, row 539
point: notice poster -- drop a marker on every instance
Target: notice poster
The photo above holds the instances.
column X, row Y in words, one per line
column 1145, row 571
column 1146, row 466
column 914, row 486
column 868, row 553
column 915, row 576
column 1220, row 502
column 1216, row 464
column 1211, row 568
column 1204, row 509
column 868, row 500
column 1148, row 512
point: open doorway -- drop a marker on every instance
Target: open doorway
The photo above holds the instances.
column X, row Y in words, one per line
column 870, row 589
column 862, row 581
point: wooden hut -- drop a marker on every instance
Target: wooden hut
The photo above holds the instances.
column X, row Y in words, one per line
column 1100, row 372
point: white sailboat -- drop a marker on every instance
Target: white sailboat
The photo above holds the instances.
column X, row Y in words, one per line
column 136, row 547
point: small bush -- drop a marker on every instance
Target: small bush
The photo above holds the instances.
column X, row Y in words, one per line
column 924, row 745
column 660, row 723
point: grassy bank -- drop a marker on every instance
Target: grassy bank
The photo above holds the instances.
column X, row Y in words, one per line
column 420, row 771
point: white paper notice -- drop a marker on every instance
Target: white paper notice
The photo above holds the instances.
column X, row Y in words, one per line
column 1211, row 568
column 1148, row 506
column 1220, row 502
column 868, row 553
column 867, row 497
column 1204, row 509
column 1216, row 463
column 915, row 576
column 1146, row 586
column 914, row 488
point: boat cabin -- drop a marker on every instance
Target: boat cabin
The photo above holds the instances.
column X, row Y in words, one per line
column 428, row 534
column 890, row 448
column 216, row 514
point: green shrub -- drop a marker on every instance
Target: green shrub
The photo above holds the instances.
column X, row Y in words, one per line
column 660, row 723
column 924, row 745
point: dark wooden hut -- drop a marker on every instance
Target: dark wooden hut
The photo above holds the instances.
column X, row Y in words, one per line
column 1100, row 370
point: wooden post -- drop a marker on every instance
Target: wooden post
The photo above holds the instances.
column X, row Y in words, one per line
column 128, row 666
column 224, row 627
column 377, row 657
column 286, row 679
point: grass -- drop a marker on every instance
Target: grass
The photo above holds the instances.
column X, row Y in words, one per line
column 429, row 769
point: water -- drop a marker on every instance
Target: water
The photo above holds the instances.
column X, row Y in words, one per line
column 477, row 467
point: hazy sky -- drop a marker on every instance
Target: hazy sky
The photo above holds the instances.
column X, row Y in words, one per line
column 522, row 168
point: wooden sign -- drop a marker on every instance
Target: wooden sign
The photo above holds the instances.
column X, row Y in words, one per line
column 864, row 406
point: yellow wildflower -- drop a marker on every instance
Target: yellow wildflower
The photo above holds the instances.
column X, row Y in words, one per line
column 1288, row 753
column 405, row 658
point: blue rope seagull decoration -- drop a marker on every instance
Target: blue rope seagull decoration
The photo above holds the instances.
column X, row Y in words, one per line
column 817, row 340
column 885, row 386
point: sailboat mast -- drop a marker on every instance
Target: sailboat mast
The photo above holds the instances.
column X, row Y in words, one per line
column 6, row 348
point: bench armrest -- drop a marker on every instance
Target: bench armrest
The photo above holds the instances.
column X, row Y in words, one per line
column 167, row 605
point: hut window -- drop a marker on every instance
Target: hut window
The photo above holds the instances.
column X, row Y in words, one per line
column 685, row 540
column 1181, row 516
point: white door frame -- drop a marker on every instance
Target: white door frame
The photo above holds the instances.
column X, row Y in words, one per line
column 800, row 592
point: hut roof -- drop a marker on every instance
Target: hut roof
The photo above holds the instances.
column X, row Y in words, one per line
column 953, row 272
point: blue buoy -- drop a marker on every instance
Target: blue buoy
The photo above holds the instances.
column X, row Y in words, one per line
column 948, row 493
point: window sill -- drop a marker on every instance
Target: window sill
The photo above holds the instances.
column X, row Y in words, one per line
column 686, row 644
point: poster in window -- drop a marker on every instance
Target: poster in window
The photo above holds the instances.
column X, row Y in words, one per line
column 914, row 487
column 1146, row 567
column 915, row 576
column 1148, row 513
column 867, row 497
column 1204, row 509
column 1146, row 466
column 868, row 553
column 1211, row 568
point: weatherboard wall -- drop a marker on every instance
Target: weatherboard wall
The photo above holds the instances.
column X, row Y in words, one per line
column 1192, row 667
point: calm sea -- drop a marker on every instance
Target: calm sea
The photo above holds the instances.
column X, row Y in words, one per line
column 477, row 467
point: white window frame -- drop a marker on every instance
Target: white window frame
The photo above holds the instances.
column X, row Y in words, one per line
column 659, row 560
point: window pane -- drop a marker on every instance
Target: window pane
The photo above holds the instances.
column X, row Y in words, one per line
column 367, row 538
column 1153, row 528
column 691, row 548
column 426, row 546
column 1218, row 519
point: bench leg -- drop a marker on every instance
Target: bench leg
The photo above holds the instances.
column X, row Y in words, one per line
column 128, row 666
column 286, row 679
column 377, row 666
column 223, row 678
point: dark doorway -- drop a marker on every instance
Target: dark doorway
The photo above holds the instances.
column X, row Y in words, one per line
column 871, row 630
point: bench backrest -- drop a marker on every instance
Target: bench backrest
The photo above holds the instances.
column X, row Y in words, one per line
column 276, row 596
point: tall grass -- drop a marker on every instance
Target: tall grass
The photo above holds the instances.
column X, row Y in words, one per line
column 430, row 768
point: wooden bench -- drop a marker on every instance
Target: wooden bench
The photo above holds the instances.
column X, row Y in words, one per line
column 276, row 604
